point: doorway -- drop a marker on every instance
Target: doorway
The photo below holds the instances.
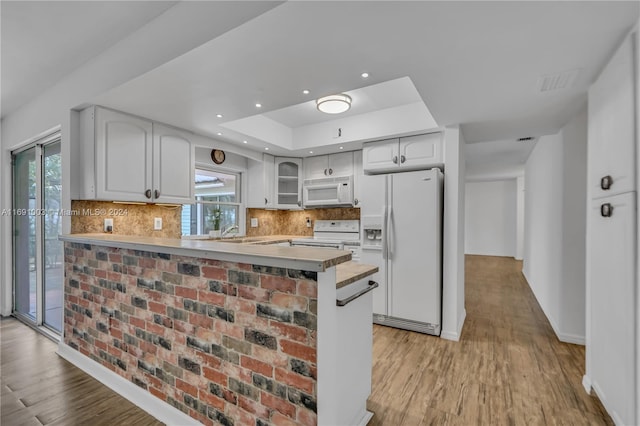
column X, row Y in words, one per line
column 38, row 255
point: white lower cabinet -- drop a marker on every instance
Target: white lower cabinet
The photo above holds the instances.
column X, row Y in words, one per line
column 127, row 158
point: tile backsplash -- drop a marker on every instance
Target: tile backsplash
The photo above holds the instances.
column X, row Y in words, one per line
column 128, row 219
column 293, row 222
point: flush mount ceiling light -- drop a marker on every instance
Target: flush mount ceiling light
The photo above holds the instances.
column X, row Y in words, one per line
column 334, row 104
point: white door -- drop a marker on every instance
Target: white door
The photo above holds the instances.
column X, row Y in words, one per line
column 421, row 151
column 173, row 166
column 611, row 268
column 380, row 156
column 611, row 125
column 341, row 164
column 316, row 167
column 414, row 240
column 123, row 157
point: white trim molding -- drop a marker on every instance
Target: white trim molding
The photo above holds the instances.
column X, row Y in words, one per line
column 138, row 396
column 448, row 335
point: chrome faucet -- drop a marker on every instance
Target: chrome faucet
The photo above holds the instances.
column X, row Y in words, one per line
column 230, row 229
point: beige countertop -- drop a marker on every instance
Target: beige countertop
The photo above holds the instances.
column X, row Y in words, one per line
column 260, row 251
column 350, row 272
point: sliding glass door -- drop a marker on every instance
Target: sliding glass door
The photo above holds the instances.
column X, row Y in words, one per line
column 38, row 255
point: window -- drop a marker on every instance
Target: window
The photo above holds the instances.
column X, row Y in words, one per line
column 217, row 203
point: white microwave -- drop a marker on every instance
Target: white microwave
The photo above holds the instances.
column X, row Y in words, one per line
column 328, row 192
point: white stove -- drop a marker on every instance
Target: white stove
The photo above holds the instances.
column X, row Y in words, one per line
column 336, row 234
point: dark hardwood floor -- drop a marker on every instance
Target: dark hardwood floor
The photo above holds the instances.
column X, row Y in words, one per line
column 40, row 388
column 507, row 369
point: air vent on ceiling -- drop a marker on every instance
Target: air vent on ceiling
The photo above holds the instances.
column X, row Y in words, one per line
column 558, row 81
column 526, row 139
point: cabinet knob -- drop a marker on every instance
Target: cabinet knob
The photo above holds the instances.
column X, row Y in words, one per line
column 402, row 158
column 606, row 182
column 156, row 194
column 266, row 201
column 395, row 159
column 330, row 171
column 606, row 210
column 325, row 172
column 355, row 201
column 299, row 203
column 147, row 193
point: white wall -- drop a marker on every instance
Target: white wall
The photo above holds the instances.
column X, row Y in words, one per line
column 490, row 218
column 453, row 312
column 555, row 224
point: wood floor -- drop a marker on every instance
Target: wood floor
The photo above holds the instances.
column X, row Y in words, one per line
column 40, row 388
column 508, row 368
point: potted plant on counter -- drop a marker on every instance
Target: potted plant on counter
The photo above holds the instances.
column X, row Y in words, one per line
column 213, row 220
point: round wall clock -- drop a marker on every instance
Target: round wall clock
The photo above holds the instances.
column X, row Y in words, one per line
column 217, row 155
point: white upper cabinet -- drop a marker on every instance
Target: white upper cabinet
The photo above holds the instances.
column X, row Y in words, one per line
column 127, row 158
column 123, row 150
column 340, row 164
column 173, row 165
column 403, row 154
column 288, row 183
column 611, row 153
column 260, row 181
column 381, row 156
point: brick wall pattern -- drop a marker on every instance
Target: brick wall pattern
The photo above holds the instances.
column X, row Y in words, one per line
column 226, row 343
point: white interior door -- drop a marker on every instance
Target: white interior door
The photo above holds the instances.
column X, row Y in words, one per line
column 612, row 281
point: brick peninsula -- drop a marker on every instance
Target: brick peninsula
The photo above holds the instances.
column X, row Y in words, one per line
column 209, row 332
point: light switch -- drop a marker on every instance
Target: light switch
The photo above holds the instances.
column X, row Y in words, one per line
column 157, row 223
column 254, row 222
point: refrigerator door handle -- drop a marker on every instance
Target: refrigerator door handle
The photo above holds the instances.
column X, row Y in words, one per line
column 390, row 233
column 384, row 232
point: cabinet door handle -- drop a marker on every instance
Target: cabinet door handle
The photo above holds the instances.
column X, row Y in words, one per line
column 147, row 193
column 299, row 203
column 266, row 201
column 325, row 172
column 395, row 159
column 156, row 194
column 606, row 210
column 330, row 171
column 355, row 201
column 402, row 158
column 606, row 182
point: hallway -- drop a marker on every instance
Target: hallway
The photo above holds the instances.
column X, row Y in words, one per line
column 508, row 368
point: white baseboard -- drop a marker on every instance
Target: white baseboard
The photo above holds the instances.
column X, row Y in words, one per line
column 607, row 405
column 563, row 337
column 586, row 383
column 138, row 396
column 455, row 335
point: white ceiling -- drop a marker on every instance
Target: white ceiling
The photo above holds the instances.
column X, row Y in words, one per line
column 43, row 41
column 476, row 64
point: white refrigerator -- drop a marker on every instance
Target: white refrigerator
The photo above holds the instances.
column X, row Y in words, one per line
column 401, row 220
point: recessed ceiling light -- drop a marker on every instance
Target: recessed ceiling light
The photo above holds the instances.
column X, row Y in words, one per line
column 266, row 148
column 305, row 91
column 258, row 105
column 219, row 115
column 219, row 133
column 244, row 141
column 342, row 147
column 310, row 152
column 365, row 75
column 334, row 104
